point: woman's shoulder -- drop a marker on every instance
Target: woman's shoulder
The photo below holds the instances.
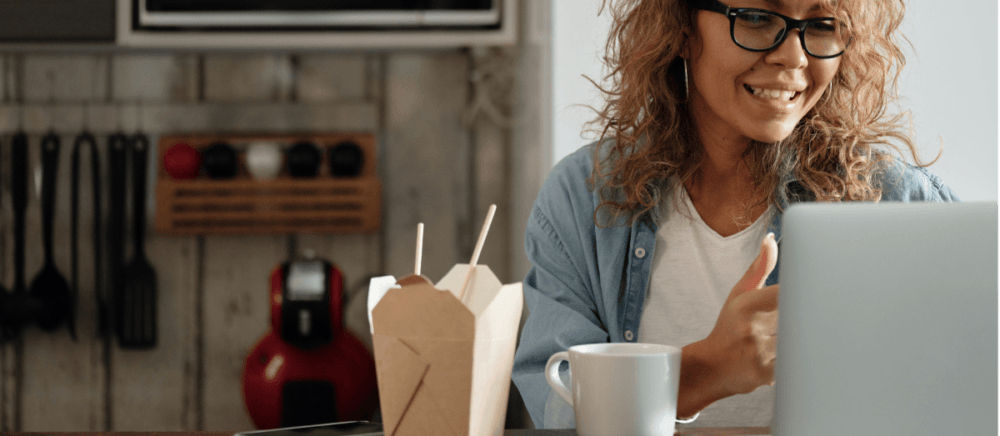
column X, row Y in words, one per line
column 569, row 180
column 578, row 165
column 568, row 199
column 902, row 181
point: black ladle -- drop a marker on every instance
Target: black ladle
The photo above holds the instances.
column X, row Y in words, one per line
column 49, row 285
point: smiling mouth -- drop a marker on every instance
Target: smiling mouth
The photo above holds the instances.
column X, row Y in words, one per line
column 772, row 94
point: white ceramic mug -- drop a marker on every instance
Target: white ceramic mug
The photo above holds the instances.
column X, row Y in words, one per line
column 620, row 389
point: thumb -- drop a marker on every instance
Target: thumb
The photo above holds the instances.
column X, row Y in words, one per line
column 761, row 267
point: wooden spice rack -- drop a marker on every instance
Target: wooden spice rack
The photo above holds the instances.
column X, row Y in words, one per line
column 244, row 205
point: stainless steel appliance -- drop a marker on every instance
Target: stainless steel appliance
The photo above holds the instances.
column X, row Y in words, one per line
column 299, row 14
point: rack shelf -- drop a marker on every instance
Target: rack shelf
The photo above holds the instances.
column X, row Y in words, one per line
column 285, row 204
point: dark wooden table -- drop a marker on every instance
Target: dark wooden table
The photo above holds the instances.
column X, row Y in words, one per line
column 728, row 431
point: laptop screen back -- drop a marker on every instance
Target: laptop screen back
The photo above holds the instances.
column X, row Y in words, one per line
column 888, row 320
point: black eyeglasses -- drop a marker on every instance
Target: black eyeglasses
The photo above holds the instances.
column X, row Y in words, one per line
column 763, row 30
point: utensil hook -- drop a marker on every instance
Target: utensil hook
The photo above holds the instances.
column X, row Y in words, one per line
column 118, row 117
column 51, row 76
column 86, row 115
column 138, row 117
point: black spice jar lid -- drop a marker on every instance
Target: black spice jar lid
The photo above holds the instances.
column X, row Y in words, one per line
column 346, row 160
column 220, row 161
column 303, row 159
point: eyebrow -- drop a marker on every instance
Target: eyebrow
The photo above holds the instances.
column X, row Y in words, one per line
column 780, row 4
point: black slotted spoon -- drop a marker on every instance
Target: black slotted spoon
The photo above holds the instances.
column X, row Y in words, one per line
column 138, row 303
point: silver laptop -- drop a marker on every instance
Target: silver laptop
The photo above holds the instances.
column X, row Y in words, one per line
column 888, row 320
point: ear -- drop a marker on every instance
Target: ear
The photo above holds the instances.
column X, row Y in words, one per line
column 689, row 44
column 686, row 45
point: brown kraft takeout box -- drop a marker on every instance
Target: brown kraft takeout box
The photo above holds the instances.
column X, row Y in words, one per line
column 444, row 359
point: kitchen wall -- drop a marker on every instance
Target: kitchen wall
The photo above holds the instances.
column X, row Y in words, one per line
column 439, row 164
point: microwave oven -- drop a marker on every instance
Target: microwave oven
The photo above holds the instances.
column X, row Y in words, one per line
column 315, row 24
column 316, row 14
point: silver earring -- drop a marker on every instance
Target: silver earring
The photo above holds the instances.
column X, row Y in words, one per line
column 687, row 93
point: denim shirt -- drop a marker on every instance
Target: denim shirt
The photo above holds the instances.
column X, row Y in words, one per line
column 587, row 284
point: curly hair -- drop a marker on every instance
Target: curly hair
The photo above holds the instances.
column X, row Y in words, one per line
column 834, row 152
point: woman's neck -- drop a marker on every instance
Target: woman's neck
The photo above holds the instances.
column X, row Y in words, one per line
column 723, row 187
column 722, row 169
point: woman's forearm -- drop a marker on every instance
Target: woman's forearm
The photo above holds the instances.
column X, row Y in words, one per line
column 699, row 385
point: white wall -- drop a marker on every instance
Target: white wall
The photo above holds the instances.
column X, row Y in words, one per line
column 578, row 37
column 531, row 139
column 949, row 84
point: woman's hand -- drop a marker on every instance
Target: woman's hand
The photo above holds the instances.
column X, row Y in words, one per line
column 738, row 355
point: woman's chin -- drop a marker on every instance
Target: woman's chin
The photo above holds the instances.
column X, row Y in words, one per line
column 776, row 134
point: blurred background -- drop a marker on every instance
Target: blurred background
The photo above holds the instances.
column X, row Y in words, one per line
column 450, row 106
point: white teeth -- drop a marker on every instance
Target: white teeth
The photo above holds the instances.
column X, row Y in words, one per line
column 773, row 93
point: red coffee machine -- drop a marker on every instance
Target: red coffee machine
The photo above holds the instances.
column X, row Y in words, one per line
column 308, row 369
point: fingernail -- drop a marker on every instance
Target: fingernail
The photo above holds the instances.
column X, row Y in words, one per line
column 770, row 235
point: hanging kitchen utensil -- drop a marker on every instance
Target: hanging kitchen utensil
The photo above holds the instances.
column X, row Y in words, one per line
column 5, row 331
column 116, row 227
column 19, row 308
column 138, row 327
column 49, row 286
column 85, row 139
column 19, row 197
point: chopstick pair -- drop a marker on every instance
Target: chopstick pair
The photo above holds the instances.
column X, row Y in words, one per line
column 475, row 253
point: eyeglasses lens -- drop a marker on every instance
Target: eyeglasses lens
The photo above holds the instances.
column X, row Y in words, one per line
column 761, row 31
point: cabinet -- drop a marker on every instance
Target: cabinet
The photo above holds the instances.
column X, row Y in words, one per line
column 57, row 21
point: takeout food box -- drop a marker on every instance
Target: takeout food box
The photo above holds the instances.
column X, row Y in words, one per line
column 444, row 364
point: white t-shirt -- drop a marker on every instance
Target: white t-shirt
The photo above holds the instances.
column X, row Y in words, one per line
column 694, row 269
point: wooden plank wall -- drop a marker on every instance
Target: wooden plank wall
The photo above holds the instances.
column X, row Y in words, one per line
column 213, row 304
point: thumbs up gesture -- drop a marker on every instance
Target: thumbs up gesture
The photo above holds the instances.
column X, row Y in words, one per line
column 743, row 339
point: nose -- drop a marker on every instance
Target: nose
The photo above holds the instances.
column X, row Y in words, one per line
column 790, row 53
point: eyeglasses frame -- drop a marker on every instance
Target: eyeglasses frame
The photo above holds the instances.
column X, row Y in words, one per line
column 790, row 23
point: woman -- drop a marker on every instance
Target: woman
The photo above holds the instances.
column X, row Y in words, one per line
column 717, row 117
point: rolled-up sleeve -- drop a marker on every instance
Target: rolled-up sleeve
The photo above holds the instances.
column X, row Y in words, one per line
column 560, row 314
column 559, row 294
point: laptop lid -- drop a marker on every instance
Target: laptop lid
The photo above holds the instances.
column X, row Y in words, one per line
column 888, row 320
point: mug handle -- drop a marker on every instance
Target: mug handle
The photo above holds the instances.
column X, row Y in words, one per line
column 552, row 376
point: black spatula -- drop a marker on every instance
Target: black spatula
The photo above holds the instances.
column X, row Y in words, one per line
column 117, row 159
column 138, row 303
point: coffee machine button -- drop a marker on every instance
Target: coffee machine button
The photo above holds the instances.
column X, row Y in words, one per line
column 305, row 323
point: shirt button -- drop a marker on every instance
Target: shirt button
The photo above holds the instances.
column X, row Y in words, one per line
column 628, row 333
column 640, row 252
